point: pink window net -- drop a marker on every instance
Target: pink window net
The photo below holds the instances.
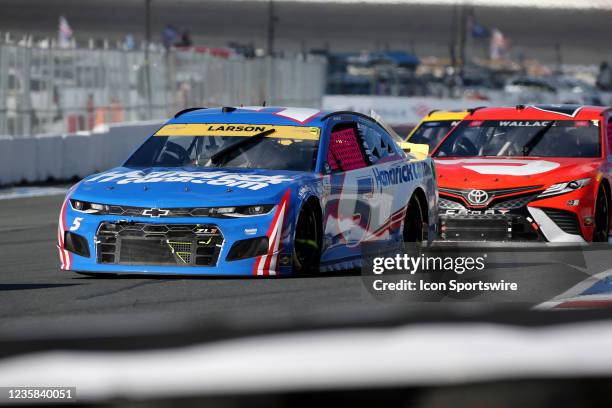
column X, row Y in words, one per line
column 344, row 150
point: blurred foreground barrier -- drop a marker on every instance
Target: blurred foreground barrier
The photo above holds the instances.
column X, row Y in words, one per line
column 63, row 157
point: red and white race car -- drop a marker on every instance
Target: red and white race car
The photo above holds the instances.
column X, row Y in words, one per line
column 527, row 173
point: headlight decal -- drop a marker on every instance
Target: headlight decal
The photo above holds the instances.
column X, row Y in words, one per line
column 89, row 208
column 215, row 212
column 565, row 187
column 243, row 211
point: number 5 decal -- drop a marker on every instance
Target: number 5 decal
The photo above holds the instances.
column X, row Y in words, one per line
column 76, row 224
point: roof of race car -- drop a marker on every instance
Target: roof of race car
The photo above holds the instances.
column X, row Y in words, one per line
column 253, row 115
column 435, row 116
column 539, row 112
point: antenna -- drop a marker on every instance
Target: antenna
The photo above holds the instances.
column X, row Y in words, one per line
column 384, row 125
column 186, row 110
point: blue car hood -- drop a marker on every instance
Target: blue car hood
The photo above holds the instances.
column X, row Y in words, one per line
column 186, row 187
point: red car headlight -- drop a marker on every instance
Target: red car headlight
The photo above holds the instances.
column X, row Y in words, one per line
column 565, row 187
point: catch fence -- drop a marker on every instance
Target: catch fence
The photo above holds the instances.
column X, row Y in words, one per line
column 50, row 90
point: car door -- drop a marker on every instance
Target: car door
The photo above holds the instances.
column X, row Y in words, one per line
column 388, row 201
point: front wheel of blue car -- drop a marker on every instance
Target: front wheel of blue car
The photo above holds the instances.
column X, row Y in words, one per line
column 307, row 242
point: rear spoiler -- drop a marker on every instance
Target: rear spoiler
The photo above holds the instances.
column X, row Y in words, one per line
column 417, row 150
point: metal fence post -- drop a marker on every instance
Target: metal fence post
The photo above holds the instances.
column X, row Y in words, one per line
column 3, row 90
column 28, row 114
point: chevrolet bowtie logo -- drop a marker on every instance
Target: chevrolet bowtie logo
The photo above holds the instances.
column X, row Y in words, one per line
column 155, row 212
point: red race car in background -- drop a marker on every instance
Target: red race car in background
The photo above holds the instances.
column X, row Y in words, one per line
column 527, row 173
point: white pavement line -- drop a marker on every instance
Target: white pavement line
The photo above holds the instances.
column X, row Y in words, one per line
column 575, row 292
column 28, row 192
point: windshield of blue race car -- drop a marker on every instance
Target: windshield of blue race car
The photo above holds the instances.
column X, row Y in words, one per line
column 222, row 145
column 521, row 138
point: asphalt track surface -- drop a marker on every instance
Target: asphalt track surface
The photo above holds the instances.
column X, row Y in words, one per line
column 37, row 297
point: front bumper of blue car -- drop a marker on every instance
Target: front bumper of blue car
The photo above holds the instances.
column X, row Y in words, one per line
column 242, row 246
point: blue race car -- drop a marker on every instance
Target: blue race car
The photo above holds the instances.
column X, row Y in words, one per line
column 250, row 191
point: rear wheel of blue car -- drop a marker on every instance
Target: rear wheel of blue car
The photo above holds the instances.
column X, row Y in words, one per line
column 307, row 242
column 414, row 226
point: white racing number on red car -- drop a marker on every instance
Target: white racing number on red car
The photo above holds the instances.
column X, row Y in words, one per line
column 507, row 167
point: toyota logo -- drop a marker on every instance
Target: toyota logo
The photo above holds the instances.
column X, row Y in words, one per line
column 478, row 197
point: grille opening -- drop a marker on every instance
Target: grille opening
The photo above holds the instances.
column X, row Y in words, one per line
column 108, row 248
column 205, row 251
column 511, row 202
column 566, row 220
column 158, row 244
column 248, row 248
column 106, row 258
column 141, row 251
column 517, row 201
column 507, row 228
column 156, row 228
column 176, row 234
column 204, row 260
column 76, row 244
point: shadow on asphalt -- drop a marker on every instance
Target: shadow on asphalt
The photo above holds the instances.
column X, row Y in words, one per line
column 108, row 276
column 27, row 286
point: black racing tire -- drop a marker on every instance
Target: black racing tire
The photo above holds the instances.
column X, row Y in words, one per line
column 414, row 224
column 307, row 242
column 602, row 216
